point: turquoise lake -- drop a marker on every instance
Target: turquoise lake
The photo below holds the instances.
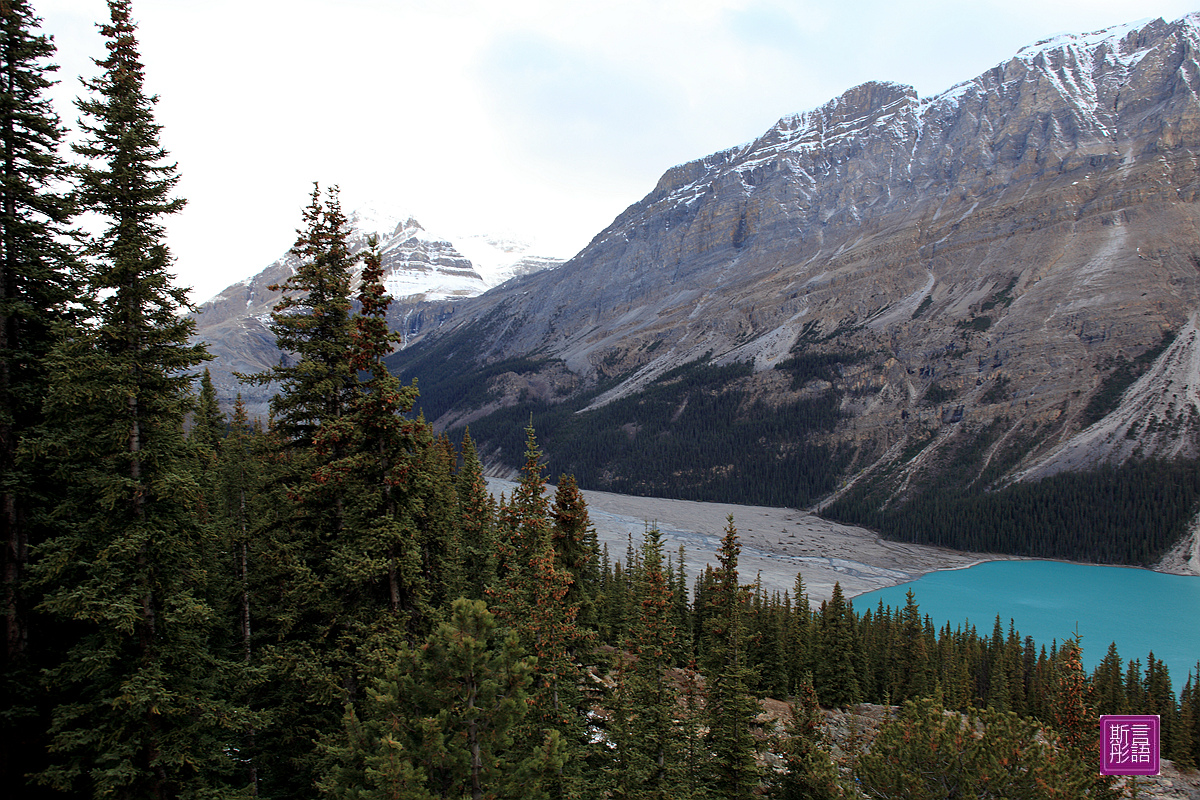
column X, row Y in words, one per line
column 1140, row 610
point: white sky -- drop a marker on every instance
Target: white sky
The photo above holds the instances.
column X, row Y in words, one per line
column 544, row 118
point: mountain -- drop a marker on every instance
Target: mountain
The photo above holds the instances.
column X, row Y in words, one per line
column 423, row 272
column 878, row 297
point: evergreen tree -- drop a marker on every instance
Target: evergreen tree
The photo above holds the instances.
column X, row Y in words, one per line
column 837, row 674
column 531, row 597
column 140, row 710
column 575, row 544
column 208, row 423
column 799, row 634
column 1108, row 684
column 925, row 753
column 810, row 772
column 913, row 661
column 444, row 721
column 436, row 513
column 330, row 478
column 731, row 707
column 1182, row 750
column 1186, row 741
column 204, row 439
column 654, row 742
column 681, row 613
column 242, row 478
column 312, row 327
column 1160, row 700
column 1075, row 717
column 476, row 523
column 38, row 276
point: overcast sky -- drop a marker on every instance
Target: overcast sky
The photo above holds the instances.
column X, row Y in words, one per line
column 545, row 118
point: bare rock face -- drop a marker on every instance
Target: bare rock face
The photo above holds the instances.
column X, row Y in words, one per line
column 425, row 274
column 993, row 250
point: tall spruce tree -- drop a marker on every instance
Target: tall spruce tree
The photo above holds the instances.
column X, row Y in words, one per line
column 575, row 545
column 242, row 473
column 139, row 712
column 38, row 275
column 655, row 697
column 531, row 597
column 443, row 721
column 646, row 739
column 1076, row 719
column 836, row 677
column 731, row 706
column 476, row 523
column 377, row 560
column 348, row 584
column 312, row 326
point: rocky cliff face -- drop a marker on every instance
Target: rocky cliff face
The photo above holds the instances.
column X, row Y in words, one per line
column 986, row 256
column 424, row 273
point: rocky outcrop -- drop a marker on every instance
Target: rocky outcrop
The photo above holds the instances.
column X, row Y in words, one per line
column 993, row 249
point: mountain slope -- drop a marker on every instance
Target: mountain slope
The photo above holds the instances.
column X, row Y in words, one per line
column 423, row 272
column 953, row 274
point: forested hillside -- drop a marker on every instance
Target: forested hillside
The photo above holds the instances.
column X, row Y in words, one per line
column 332, row 605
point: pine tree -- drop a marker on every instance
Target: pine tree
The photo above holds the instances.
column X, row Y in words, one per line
column 1108, row 684
column 208, row 423
column 913, row 663
column 1075, row 717
column 312, row 327
column 731, row 706
column 311, row 609
column 925, row 753
column 241, row 480
column 575, row 544
column 654, row 742
column 476, row 523
column 443, row 721
column 531, row 597
column 380, row 467
column 436, row 513
column 1160, row 700
column 204, row 439
column 38, row 276
column 140, row 712
column 810, row 772
column 1186, row 744
column 837, row 673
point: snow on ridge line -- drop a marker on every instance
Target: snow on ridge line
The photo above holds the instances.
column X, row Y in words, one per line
column 1090, row 40
column 493, row 258
column 1114, row 33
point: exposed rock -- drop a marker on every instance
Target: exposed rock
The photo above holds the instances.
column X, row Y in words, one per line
column 424, row 273
column 993, row 249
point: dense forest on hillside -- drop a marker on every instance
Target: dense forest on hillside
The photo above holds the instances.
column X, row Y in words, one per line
column 1129, row 514
column 695, row 434
column 201, row 605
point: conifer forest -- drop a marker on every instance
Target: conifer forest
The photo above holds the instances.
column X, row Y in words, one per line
column 331, row 604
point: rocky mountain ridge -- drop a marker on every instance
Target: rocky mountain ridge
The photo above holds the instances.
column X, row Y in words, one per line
column 976, row 261
column 425, row 274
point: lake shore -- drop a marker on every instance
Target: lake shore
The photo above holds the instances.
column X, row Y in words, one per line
column 777, row 543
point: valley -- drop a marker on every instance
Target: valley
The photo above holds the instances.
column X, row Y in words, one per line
column 965, row 320
column 777, row 543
